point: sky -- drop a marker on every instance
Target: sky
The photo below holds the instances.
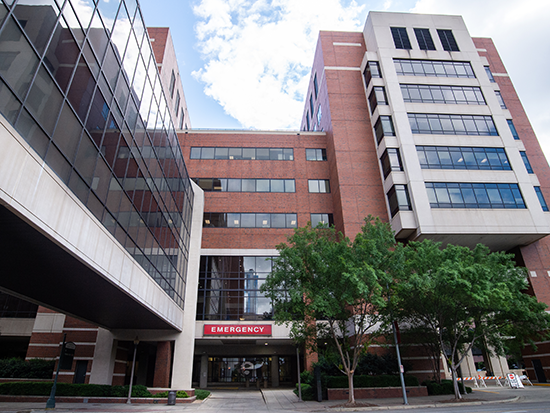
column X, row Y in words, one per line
column 245, row 64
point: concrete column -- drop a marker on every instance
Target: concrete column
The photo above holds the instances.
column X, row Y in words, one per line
column 500, row 366
column 163, row 365
column 204, row 372
column 103, row 363
column 184, row 346
column 468, row 366
column 275, row 371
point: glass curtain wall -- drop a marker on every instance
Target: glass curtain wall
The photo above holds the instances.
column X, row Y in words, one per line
column 79, row 82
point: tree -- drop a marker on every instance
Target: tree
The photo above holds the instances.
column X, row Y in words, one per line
column 463, row 296
column 322, row 283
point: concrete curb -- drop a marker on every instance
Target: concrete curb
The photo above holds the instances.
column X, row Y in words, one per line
column 424, row 406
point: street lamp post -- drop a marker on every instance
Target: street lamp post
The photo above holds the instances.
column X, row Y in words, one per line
column 50, row 404
column 136, row 342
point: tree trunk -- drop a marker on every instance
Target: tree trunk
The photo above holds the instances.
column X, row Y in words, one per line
column 351, row 397
column 458, row 396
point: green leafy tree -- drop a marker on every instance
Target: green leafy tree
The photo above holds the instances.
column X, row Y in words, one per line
column 463, row 296
column 324, row 285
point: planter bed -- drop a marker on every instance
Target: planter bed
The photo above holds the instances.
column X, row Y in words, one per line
column 377, row 392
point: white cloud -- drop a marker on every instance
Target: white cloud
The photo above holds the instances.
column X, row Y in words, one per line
column 519, row 30
column 258, row 54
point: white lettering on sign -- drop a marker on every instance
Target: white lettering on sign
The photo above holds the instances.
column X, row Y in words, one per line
column 237, row 329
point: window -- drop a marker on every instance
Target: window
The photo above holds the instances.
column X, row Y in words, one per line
column 319, row 186
column 447, row 40
column 540, row 196
column 315, row 85
column 273, row 154
column 182, row 119
column 383, row 127
column 526, row 162
column 461, row 95
column 371, row 70
column 513, row 129
column 461, row 157
column 312, row 109
column 307, row 120
column 468, row 195
column 398, row 198
column 172, row 84
column 249, row 220
column 391, row 161
column 424, row 38
column 177, row 105
column 325, row 219
column 400, row 38
column 245, row 185
column 500, row 100
column 490, row 74
column 407, row 67
column 319, row 115
column 316, row 154
column 440, row 124
column 377, row 97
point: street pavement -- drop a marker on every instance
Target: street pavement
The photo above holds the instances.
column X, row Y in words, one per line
column 284, row 400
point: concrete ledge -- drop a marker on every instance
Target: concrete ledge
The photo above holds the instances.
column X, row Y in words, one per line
column 67, row 399
column 377, row 392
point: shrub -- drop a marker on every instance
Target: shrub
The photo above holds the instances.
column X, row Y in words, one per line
column 370, row 381
column 26, row 369
column 68, row 389
column 201, row 394
column 180, row 394
column 446, row 387
column 308, row 392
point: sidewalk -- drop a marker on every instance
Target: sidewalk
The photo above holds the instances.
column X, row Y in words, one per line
column 283, row 400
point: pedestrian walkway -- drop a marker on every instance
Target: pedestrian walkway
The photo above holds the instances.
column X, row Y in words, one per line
column 283, row 400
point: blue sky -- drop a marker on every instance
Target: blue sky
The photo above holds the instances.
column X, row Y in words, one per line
column 246, row 63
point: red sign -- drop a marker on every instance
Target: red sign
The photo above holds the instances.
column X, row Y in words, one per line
column 237, row 330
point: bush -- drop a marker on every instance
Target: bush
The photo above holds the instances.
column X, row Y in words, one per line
column 180, row 394
column 308, row 392
column 385, row 380
column 201, row 394
column 26, row 369
column 68, row 389
column 446, row 387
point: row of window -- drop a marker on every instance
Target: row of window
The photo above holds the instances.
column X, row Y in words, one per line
column 470, row 195
column 266, row 154
column 458, row 157
column 443, row 124
column 245, row 185
column 260, row 220
column 424, row 39
column 431, row 68
column 465, row 95
column 272, row 154
column 249, row 220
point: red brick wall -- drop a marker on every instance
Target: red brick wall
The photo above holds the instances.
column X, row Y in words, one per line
column 163, row 364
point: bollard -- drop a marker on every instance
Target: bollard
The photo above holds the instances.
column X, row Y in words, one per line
column 171, row 398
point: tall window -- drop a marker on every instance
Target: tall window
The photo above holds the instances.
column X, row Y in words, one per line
column 177, row 106
column 526, row 162
column 311, row 105
column 424, row 38
column 383, row 127
column 540, row 196
column 391, row 161
column 447, row 40
column 315, row 85
column 500, row 99
column 371, row 70
column 377, row 97
column 172, row 84
column 398, row 198
column 400, row 38
column 490, row 74
column 513, row 129
column 182, row 119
